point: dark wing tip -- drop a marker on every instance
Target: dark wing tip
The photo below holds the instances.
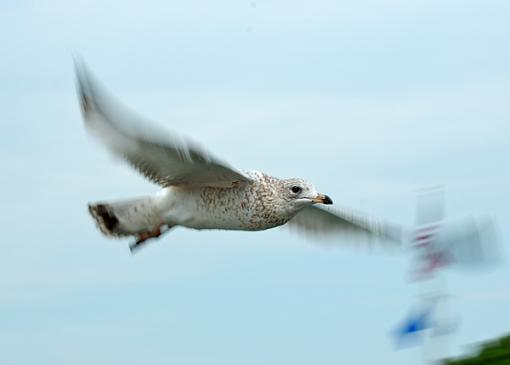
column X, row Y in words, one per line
column 83, row 84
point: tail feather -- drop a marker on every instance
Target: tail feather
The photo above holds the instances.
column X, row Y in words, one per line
column 106, row 220
column 125, row 217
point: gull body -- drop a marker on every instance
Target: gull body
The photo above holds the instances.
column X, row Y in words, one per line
column 251, row 207
column 265, row 203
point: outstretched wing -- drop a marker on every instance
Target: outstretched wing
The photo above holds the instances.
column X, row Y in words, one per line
column 343, row 226
column 163, row 158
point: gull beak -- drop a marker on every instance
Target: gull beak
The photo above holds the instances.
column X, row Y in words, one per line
column 323, row 199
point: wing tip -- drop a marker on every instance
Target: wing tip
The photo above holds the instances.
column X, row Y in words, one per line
column 82, row 84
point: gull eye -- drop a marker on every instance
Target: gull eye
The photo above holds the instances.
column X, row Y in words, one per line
column 296, row 189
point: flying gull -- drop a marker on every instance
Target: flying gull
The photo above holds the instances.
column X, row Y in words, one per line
column 200, row 191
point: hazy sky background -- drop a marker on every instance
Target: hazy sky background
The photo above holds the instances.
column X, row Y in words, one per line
column 369, row 100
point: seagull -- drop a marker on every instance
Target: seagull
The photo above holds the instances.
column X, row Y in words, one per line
column 198, row 190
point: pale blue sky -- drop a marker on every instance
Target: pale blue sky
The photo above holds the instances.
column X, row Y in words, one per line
column 369, row 100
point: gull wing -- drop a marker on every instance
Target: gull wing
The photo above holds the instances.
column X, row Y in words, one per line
column 344, row 226
column 162, row 157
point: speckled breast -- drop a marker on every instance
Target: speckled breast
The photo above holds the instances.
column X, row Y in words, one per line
column 248, row 207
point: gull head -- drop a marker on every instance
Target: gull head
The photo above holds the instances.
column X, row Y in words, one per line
column 299, row 193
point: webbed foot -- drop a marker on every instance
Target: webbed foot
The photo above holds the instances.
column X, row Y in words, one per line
column 143, row 237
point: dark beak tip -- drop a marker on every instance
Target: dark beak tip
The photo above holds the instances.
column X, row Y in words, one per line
column 327, row 200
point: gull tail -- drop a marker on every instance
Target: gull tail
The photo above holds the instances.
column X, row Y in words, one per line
column 105, row 218
column 124, row 218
